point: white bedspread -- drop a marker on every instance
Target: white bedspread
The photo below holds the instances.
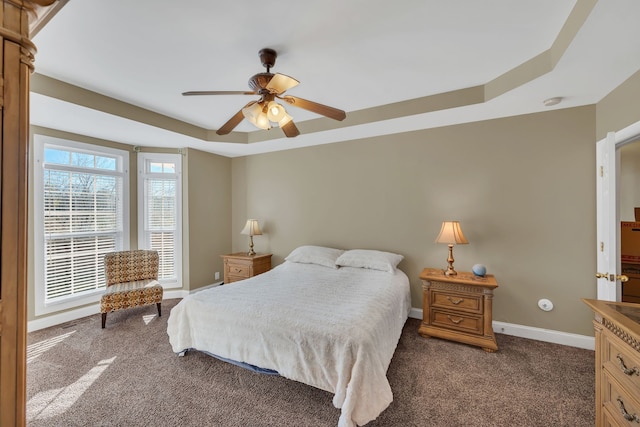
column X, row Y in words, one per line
column 335, row 329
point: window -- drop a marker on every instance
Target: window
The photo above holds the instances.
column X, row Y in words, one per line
column 159, row 212
column 80, row 213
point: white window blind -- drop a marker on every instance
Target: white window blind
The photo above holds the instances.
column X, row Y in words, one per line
column 160, row 212
column 80, row 216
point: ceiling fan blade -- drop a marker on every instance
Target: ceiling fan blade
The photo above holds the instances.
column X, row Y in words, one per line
column 332, row 113
column 290, row 129
column 217, row 92
column 233, row 121
column 279, row 83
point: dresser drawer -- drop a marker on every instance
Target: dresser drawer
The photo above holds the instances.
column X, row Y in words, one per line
column 459, row 302
column 622, row 364
column 619, row 408
column 456, row 321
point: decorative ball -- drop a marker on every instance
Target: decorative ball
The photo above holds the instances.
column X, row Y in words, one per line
column 479, row 270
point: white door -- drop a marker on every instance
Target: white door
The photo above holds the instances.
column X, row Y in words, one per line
column 607, row 211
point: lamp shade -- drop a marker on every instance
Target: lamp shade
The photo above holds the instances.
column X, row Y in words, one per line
column 256, row 116
column 251, row 112
column 275, row 111
column 251, row 228
column 262, row 121
column 451, row 233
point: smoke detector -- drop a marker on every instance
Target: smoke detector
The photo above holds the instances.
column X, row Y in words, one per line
column 552, row 101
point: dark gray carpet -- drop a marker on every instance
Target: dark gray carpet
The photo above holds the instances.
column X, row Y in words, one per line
column 126, row 375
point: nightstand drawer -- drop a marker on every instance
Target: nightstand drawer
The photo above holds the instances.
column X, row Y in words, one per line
column 231, row 278
column 467, row 303
column 241, row 270
column 457, row 321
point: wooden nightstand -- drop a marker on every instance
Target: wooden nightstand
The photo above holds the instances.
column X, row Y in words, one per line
column 241, row 266
column 458, row 308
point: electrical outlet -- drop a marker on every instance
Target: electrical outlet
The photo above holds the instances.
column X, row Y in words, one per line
column 217, row 276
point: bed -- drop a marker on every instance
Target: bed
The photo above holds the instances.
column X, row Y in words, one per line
column 325, row 317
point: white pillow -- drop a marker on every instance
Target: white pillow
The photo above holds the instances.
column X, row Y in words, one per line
column 315, row 255
column 365, row 258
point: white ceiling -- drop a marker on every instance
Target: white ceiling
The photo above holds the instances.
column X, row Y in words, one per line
column 352, row 55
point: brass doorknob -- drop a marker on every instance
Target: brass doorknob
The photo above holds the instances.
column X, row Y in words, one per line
column 612, row 277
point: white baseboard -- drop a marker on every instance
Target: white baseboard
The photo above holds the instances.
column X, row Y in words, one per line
column 213, row 285
column 415, row 313
column 529, row 332
column 67, row 316
column 177, row 293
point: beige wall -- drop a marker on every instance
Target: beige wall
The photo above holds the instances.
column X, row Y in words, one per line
column 206, row 210
column 209, row 214
column 522, row 187
column 620, row 108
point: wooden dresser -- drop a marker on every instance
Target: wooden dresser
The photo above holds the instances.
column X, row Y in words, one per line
column 617, row 332
column 458, row 308
column 241, row 266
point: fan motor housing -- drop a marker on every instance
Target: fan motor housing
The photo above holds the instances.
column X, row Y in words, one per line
column 260, row 81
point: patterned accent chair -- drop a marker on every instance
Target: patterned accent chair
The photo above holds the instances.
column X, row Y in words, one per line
column 132, row 281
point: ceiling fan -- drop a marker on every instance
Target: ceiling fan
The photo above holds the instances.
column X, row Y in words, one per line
column 266, row 110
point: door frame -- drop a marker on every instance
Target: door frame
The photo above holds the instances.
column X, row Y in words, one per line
column 608, row 210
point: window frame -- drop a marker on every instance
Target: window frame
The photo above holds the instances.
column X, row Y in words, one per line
column 143, row 159
column 42, row 306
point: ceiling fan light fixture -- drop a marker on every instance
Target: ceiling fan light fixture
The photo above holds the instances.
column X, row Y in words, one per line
column 262, row 121
column 256, row 117
column 275, row 111
column 251, row 112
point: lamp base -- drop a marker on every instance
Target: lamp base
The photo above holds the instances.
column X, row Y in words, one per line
column 450, row 271
column 251, row 251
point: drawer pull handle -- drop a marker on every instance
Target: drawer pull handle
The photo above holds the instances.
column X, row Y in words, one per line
column 627, row 416
column 627, row 371
column 460, row 319
column 455, row 301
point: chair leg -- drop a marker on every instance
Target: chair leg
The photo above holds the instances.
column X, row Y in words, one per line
column 104, row 319
column 159, row 309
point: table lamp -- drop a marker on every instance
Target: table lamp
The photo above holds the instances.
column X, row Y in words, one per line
column 251, row 228
column 451, row 234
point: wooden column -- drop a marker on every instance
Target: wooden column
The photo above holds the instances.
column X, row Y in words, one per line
column 17, row 54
